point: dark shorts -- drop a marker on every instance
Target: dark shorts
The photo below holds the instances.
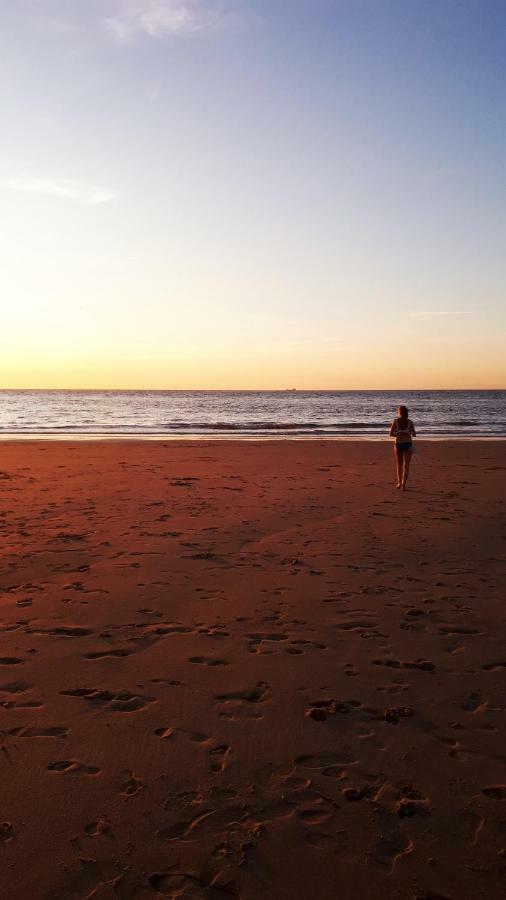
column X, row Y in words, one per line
column 404, row 448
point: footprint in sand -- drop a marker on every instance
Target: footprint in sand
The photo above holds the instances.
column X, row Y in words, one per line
column 255, row 641
column 422, row 664
column 412, row 804
column 169, row 733
column 296, row 783
column 475, row 702
column 299, row 646
column 208, row 661
column 178, row 885
column 326, row 760
column 257, row 694
column 215, row 631
column 218, row 757
column 62, row 631
column 173, row 832
column 313, row 816
column 163, row 630
column 113, row 654
column 209, row 822
column 22, row 704
column 131, row 786
column 394, row 714
column 363, row 792
column 6, row 832
column 16, row 687
column 319, row 710
column 392, row 844
column 336, row 772
column 188, row 799
column 358, row 626
column 73, row 766
column 29, row 732
column 350, row 671
column 243, row 704
column 397, row 687
column 124, row 701
column 98, row 828
column 495, row 792
column 454, row 629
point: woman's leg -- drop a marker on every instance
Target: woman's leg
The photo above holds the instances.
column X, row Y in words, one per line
column 398, row 457
column 407, row 459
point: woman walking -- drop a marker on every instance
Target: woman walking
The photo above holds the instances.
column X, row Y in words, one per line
column 403, row 430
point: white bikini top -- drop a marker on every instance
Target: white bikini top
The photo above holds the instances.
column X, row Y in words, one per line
column 407, row 430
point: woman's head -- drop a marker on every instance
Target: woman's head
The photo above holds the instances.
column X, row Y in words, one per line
column 403, row 412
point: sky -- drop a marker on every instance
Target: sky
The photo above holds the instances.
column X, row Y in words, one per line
column 227, row 194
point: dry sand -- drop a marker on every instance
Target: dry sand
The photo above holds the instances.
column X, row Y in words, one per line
column 252, row 670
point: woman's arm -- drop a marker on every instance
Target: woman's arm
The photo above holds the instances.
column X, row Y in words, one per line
column 393, row 428
column 413, row 431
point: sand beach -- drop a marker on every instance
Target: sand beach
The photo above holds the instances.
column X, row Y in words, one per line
column 252, row 670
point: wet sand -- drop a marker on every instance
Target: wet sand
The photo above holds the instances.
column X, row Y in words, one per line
column 252, row 670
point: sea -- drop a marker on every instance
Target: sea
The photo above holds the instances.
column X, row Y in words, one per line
column 249, row 414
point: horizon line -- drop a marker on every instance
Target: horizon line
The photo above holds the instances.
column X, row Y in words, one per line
column 138, row 390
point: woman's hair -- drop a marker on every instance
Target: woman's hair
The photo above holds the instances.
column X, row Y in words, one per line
column 403, row 412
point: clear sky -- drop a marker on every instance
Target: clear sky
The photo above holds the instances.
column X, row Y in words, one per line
column 252, row 193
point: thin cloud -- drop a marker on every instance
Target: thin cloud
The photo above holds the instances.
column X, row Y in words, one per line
column 442, row 312
column 161, row 18
column 90, row 195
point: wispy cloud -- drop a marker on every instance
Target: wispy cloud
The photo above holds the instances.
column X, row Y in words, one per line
column 427, row 314
column 161, row 18
column 90, row 195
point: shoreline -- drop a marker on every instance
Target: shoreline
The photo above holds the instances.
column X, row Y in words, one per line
column 68, row 437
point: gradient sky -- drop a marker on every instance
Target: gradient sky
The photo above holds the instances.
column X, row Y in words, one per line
column 252, row 193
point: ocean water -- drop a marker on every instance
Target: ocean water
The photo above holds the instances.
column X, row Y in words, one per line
column 249, row 413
